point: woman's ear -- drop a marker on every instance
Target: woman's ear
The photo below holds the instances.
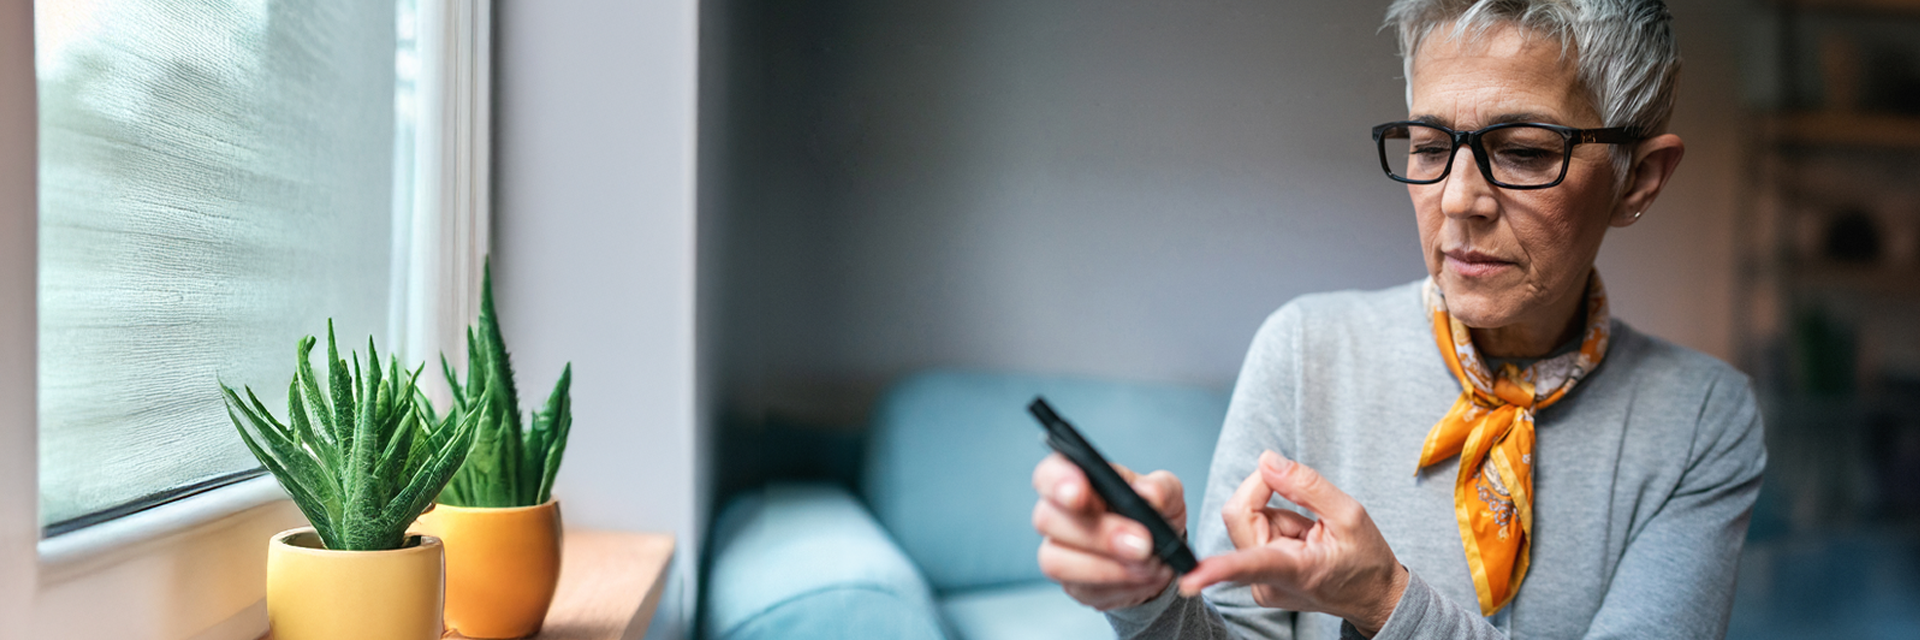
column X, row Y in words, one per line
column 1653, row 163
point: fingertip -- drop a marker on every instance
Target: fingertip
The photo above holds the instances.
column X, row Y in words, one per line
column 1148, row 489
column 1192, row 583
column 1274, row 463
column 1067, row 493
column 1129, row 544
column 1203, row 575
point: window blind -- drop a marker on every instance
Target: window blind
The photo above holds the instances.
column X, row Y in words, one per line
column 217, row 179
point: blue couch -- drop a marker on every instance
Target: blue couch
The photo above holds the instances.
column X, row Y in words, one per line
column 939, row 544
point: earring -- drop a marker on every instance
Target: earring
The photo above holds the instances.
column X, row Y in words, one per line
column 1636, row 214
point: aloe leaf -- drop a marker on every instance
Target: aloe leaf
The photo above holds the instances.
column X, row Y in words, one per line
column 316, row 410
column 495, row 470
column 305, row 469
column 365, row 444
column 303, row 373
column 510, row 465
column 305, row 406
column 365, row 425
column 480, row 471
column 477, row 367
column 357, row 458
column 407, row 504
column 289, row 448
column 422, row 448
column 425, row 406
column 303, row 479
column 459, row 491
column 453, row 384
column 534, row 458
column 393, row 461
column 559, row 416
column 309, row 506
column 373, row 381
column 515, row 456
column 260, row 409
column 234, row 402
column 303, row 428
column 497, row 356
column 340, row 385
column 397, row 460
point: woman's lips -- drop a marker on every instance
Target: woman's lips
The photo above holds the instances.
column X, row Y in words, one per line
column 1474, row 264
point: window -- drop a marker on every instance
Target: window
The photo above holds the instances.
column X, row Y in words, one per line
column 216, row 178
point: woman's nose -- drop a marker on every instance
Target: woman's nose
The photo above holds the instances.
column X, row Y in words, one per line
column 1465, row 192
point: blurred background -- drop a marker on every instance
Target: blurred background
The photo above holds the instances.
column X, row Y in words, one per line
column 1126, row 188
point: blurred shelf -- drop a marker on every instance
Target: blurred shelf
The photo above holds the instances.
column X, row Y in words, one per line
column 1859, row 279
column 1848, row 130
column 1907, row 7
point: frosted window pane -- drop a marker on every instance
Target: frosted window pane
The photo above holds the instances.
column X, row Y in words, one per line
column 216, row 180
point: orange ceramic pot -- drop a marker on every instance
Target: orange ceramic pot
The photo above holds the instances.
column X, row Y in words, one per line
column 502, row 566
column 314, row 593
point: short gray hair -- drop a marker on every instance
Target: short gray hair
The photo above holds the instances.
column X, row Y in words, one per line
column 1624, row 52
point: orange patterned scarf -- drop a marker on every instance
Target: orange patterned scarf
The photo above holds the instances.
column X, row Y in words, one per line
column 1491, row 428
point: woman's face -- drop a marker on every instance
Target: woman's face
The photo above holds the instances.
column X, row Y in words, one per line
column 1505, row 257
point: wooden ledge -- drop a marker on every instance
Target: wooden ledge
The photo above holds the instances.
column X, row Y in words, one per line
column 610, row 584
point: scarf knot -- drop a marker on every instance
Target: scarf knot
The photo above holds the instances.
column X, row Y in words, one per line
column 1512, row 389
column 1490, row 428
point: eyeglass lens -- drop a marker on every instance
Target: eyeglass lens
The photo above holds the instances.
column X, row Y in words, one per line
column 1519, row 156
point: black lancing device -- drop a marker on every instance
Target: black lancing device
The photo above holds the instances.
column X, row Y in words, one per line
column 1106, row 482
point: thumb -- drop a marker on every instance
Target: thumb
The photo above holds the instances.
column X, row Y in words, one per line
column 1303, row 486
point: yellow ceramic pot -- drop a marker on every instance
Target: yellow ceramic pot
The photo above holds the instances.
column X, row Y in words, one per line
column 502, row 566
column 314, row 593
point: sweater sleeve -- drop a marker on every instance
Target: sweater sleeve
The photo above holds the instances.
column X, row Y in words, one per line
column 1260, row 416
column 1424, row 613
column 1676, row 578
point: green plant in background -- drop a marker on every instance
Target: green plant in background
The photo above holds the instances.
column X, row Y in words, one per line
column 363, row 459
column 510, row 465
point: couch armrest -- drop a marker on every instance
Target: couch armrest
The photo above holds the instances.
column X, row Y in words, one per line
column 808, row 561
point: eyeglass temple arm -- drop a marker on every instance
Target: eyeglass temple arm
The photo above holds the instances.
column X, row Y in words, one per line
column 1609, row 135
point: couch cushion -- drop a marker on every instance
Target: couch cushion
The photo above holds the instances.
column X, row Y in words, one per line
column 841, row 613
column 807, row 561
column 950, row 461
column 1036, row 611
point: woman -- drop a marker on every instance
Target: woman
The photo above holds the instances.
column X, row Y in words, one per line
column 1486, row 451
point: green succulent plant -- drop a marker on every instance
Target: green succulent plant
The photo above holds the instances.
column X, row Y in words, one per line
column 361, row 459
column 510, row 465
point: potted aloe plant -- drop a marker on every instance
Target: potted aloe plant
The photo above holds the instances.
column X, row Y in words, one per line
column 362, row 459
column 497, row 517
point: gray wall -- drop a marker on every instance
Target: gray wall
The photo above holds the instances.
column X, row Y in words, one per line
column 1111, row 187
column 593, row 243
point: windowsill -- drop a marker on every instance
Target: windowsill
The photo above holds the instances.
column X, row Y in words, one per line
column 610, row 585
column 82, row 551
column 198, row 566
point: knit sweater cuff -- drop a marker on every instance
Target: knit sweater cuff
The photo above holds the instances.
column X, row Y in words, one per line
column 1416, row 603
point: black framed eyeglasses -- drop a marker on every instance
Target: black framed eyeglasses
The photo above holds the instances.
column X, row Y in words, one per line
column 1520, row 155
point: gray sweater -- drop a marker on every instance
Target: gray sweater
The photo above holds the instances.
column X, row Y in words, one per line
column 1645, row 478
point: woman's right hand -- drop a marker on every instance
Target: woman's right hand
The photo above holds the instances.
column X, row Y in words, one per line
column 1103, row 559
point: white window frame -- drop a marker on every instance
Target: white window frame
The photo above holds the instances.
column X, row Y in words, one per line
column 194, row 568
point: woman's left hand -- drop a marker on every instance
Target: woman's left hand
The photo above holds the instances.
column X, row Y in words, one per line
column 1339, row 564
